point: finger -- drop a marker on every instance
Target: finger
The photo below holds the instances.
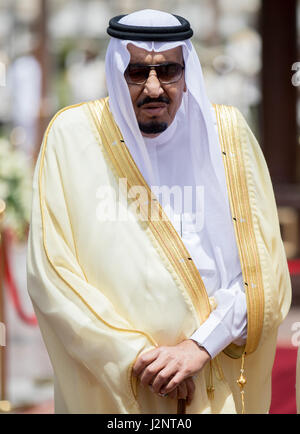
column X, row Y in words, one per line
column 173, row 394
column 182, row 390
column 149, row 374
column 190, row 390
column 144, row 360
column 173, row 383
column 163, row 377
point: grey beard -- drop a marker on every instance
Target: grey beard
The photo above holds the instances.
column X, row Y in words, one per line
column 153, row 127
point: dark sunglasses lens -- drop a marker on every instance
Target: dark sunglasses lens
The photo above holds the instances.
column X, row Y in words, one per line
column 167, row 73
column 137, row 74
column 170, row 72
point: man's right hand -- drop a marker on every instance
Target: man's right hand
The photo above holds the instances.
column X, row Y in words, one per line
column 185, row 390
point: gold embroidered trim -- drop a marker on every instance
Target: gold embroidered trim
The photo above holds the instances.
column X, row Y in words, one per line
column 162, row 228
column 236, row 177
column 42, row 203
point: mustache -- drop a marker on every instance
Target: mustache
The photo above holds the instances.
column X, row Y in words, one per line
column 148, row 100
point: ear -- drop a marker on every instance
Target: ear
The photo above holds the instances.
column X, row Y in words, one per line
column 184, row 88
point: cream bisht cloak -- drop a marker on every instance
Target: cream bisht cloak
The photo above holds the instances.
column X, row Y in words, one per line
column 106, row 290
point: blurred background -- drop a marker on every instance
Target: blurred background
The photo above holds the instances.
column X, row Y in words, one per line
column 52, row 55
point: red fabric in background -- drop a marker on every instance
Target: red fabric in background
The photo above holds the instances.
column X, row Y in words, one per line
column 284, row 381
column 294, row 266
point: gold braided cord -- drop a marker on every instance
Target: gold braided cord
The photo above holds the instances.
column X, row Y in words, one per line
column 242, row 382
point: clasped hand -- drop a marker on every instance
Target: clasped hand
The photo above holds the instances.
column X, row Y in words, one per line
column 169, row 369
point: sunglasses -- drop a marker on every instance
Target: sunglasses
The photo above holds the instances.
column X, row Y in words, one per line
column 167, row 73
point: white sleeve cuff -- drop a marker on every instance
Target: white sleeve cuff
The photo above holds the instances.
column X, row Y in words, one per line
column 212, row 335
column 227, row 323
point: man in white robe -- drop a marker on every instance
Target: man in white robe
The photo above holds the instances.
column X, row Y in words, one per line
column 188, row 303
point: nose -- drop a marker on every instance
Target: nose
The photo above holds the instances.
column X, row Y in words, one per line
column 153, row 87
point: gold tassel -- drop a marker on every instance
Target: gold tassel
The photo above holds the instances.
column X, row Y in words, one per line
column 211, row 388
column 218, row 370
column 241, row 382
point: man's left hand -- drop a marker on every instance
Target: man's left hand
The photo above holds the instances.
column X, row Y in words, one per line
column 164, row 368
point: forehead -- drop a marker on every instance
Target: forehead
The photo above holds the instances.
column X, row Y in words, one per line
column 139, row 55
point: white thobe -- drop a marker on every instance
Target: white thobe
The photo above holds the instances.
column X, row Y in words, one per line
column 227, row 323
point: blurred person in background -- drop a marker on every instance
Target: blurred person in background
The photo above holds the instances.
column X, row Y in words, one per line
column 181, row 293
column 24, row 80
